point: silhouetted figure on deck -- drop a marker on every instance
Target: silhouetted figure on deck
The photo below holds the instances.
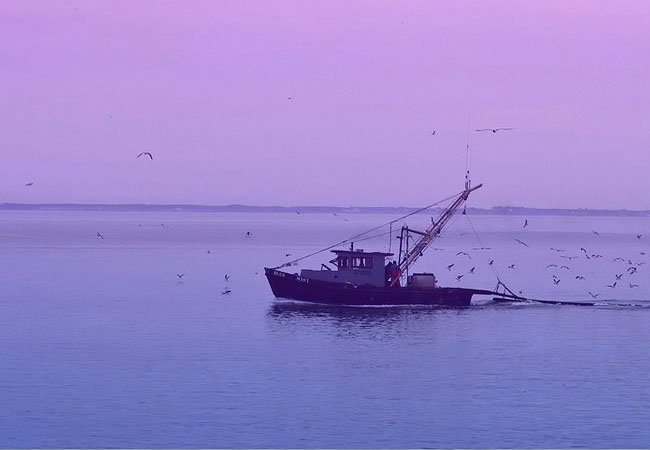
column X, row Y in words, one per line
column 394, row 274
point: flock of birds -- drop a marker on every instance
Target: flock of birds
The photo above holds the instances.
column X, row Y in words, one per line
column 629, row 270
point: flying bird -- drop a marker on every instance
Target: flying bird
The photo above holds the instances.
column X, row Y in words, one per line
column 463, row 253
column 433, row 133
column 472, row 270
column 31, row 183
column 521, row 242
column 558, row 249
column 556, row 281
column 633, row 285
column 618, row 276
column 568, row 257
column 525, row 223
column 491, row 262
column 99, row 235
column 511, row 266
column 146, row 154
column 180, row 275
column 494, row 130
column 450, row 266
column 594, row 295
column 638, row 236
column 564, row 267
column 580, row 277
column 249, row 234
column 226, row 291
column 226, row 277
column 550, row 265
column 287, row 254
column 631, row 270
column 595, row 232
column 612, row 285
column 618, row 259
column 458, row 277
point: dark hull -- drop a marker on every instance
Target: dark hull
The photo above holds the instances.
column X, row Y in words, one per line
column 294, row 287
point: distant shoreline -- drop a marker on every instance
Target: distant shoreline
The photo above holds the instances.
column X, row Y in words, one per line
column 496, row 210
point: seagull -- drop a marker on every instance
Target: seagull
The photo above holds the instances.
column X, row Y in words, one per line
column 596, row 256
column 482, row 248
column 459, row 277
column 491, row 262
column 550, row 265
column 226, row 277
column 595, row 232
column 580, row 277
column 521, row 242
column 208, row 252
column 99, row 235
column 594, row 295
column 494, row 130
column 583, row 249
column 226, row 291
column 558, row 249
column 631, row 270
column 525, row 223
column 146, row 154
column 556, row 281
column 180, row 275
column 31, row 183
column 511, row 266
column 433, row 133
column 472, row 270
column 249, row 234
column 568, row 257
column 450, row 266
column 618, row 276
column 618, row 259
column 564, row 267
column 638, row 236
column 298, row 212
column 633, row 285
column 612, row 285
column 463, row 253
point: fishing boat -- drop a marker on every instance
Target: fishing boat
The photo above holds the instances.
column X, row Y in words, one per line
column 359, row 277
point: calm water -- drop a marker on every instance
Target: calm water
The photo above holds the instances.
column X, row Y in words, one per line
column 102, row 345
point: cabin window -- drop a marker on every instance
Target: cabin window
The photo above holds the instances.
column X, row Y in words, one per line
column 342, row 262
column 362, row 262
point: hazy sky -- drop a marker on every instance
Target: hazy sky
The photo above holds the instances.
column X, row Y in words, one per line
column 325, row 102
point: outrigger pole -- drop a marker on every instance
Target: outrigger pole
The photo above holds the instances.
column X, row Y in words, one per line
column 434, row 230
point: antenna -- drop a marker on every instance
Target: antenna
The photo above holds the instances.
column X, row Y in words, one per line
column 467, row 180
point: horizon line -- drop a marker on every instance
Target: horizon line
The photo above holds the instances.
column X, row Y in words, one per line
column 500, row 209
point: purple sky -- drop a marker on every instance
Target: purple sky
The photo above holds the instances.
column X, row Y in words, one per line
column 85, row 86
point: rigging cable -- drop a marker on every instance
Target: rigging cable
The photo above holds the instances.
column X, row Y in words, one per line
column 494, row 269
column 294, row 261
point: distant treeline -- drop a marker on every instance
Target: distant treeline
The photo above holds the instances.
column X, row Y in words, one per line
column 496, row 210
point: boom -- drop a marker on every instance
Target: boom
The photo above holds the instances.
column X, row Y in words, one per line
column 434, row 230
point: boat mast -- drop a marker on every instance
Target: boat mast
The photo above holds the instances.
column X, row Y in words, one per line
column 434, row 230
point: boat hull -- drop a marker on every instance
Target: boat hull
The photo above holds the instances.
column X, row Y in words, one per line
column 295, row 287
